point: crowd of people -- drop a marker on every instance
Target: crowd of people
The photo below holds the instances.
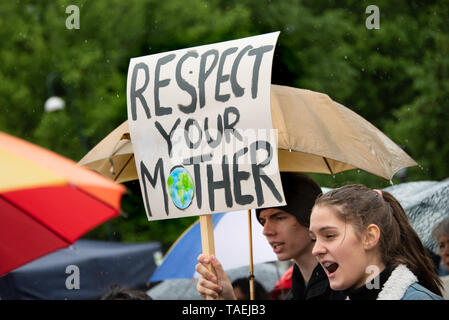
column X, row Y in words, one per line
column 350, row 243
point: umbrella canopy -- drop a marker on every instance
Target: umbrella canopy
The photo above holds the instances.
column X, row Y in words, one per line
column 231, row 250
column 113, row 157
column 47, row 201
column 326, row 136
column 283, row 285
column 100, row 264
column 426, row 204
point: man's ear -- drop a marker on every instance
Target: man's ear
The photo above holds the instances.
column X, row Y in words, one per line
column 372, row 236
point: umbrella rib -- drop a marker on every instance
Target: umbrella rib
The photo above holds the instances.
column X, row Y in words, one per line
column 328, row 166
column 34, row 218
column 123, row 168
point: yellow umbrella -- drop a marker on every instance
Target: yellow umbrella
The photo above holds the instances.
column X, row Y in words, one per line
column 113, row 157
column 315, row 134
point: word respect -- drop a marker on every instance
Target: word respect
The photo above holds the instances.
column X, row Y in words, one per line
column 196, row 91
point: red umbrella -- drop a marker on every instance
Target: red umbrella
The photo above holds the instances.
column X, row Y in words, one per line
column 283, row 285
column 47, row 201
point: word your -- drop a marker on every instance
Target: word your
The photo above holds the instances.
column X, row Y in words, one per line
column 72, row 21
column 210, row 311
column 73, row 281
column 373, row 21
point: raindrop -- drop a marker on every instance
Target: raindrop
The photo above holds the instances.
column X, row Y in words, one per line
column 118, row 96
column 363, row 69
column 346, row 57
column 107, row 61
column 85, row 41
column 101, row 98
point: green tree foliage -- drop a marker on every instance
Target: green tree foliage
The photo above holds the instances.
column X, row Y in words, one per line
column 421, row 124
column 396, row 77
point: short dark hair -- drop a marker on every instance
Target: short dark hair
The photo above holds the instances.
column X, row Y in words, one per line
column 300, row 192
column 117, row 292
column 259, row 291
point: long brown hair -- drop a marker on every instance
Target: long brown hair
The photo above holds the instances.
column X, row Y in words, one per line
column 399, row 243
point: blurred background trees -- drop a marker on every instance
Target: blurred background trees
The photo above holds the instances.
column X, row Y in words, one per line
column 397, row 77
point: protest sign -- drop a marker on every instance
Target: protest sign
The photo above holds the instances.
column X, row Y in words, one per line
column 201, row 128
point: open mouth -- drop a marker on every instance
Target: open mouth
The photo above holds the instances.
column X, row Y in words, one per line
column 276, row 246
column 331, row 267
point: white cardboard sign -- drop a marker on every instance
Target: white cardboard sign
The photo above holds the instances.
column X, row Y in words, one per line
column 201, row 128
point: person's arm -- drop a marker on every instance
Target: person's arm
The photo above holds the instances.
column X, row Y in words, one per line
column 218, row 286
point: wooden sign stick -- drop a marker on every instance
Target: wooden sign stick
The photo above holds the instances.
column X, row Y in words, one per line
column 251, row 266
column 207, row 238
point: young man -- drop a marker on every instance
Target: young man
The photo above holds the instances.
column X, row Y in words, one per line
column 287, row 230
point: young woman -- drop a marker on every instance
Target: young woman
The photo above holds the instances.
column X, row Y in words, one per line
column 287, row 231
column 367, row 247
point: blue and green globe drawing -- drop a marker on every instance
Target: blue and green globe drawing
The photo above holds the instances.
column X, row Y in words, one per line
column 180, row 186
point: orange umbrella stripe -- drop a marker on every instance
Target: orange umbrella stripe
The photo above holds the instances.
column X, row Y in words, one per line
column 69, row 170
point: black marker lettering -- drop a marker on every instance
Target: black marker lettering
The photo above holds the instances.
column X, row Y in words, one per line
column 214, row 143
column 229, row 127
column 223, row 184
column 167, row 137
column 203, row 74
column 134, row 94
column 258, row 52
column 236, row 88
column 221, row 77
column 258, row 173
column 238, row 177
column 145, row 174
column 161, row 111
column 187, row 126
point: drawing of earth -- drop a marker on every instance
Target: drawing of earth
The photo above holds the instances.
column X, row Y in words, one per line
column 180, row 186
